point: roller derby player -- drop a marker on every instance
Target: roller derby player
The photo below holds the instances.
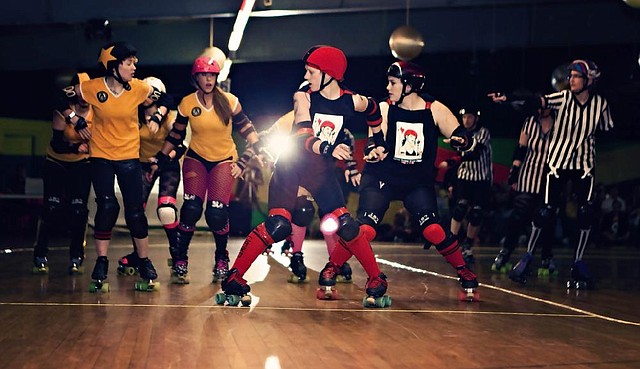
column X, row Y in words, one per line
column 312, row 166
column 411, row 123
column 169, row 178
column 473, row 184
column 526, row 177
column 114, row 144
column 579, row 113
column 208, row 167
column 67, row 183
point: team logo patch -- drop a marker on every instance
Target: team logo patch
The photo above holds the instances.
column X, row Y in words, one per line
column 409, row 142
column 102, row 96
column 196, row 111
column 327, row 127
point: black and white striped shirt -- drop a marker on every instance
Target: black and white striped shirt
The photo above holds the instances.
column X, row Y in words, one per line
column 476, row 165
column 572, row 144
column 532, row 169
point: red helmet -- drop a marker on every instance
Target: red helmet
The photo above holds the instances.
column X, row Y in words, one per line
column 204, row 64
column 327, row 59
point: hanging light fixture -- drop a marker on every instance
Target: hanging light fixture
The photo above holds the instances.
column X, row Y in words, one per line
column 406, row 42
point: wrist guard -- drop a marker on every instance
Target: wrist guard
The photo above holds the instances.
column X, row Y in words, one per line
column 326, row 149
column 377, row 139
column 81, row 123
column 156, row 117
column 468, row 143
column 245, row 158
column 513, row 175
column 162, row 159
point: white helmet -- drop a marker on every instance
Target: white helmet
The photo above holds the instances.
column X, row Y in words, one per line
column 157, row 83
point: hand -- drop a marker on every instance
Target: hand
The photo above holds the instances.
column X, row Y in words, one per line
column 236, row 171
column 443, row 165
column 341, row 152
column 497, row 97
column 376, row 155
column 83, row 148
column 353, row 179
column 153, row 125
column 149, row 175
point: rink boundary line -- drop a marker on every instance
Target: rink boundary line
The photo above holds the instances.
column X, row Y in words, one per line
column 510, row 292
column 175, row 306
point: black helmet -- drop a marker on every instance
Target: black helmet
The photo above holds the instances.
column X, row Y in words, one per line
column 470, row 109
column 409, row 73
column 113, row 53
column 587, row 68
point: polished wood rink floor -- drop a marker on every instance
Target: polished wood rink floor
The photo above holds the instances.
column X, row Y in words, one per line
column 52, row 321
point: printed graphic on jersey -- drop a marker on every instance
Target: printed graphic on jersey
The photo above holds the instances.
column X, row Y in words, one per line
column 327, row 127
column 102, row 96
column 409, row 142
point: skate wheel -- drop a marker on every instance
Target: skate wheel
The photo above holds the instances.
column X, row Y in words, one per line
column 343, row 279
column 36, row 270
column 147, row 286
column 245, row 300
column 326, row 293
column 295, row 279
column 378, row 302
column 175, row 279
column 233, row 300
column 220, row 298
column 469, row 295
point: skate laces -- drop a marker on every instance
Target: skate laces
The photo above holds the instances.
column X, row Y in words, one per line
column 330, row 271
column 376, row 282
column 466, row 274
column 222, row 264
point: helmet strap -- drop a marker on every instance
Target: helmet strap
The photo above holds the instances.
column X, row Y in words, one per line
column 324, row 84
column 118, row 77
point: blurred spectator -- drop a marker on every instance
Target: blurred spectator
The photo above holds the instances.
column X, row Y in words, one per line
column 615, row 223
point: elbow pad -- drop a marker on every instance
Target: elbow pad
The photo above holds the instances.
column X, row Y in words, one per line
column 176, row 136
column 243, row 124
column 374, row 118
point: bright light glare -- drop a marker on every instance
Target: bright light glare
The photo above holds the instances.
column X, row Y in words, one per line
column 280, row 144
column 241, row 22
column 329, row 224
column 224, row 72
column 272, row 362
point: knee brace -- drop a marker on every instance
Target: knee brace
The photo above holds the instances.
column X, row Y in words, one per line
column 544, row 217
column 586, row 215
column 459, row 211
column 190, row 212
column 137, row 222
column 167, row 211
column 348, row 228
column 107, row 213
column 216, row 215
column 278, row 224
column 304, row 212
column 475, row 216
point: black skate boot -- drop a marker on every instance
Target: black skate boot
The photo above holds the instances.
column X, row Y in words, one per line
column 376, row 287
column 344, row 276
column 221, row 267
column 99, row 275
column 468, row 284
column 580, row 277
column 40, row 265
column 180, row 272
column 501, row 263
column 547, row 268
column 128, row 264
column 234, row 290
column 520, row 271
column 147, row 276
column 327, row 281
column 75, row 266
column 298, row 269
column 467, row 254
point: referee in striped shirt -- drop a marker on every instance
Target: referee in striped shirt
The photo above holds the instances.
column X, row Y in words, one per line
column 526, row 178
column 472, row 189
column 580, row 112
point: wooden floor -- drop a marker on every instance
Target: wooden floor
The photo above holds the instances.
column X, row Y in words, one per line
column 53, row 321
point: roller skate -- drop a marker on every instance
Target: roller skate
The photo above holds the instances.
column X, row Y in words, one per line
column 99, row 275
column 467, row 254
column 180, row 272
column 298, row 269
column 501, row 262
column 128, row 264
column 520, row 272
column 580, row 277
column 221, row 268
column 40, row 265
column 327, row 282
column 147, row 276
column 234, row 290
column 375, row 289
column 547, row 269
column 344, row 276
column 468, row 284
column 75, row 266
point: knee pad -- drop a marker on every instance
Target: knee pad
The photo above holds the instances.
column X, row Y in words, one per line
column 544, row 216
column 278, row 224
column 348, row 228
column 191, row 212
column 368, row 231
column 107, row 213
column 586, row 215
column 304, row 212
column 475, row 216
column 137, row 222
column 167, row 211
column 434, row 233
column 216, row 215
column 459, row 211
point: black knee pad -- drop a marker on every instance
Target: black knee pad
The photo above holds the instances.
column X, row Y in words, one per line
column 586, row 215
column 191, row 212
column 475, row 216
column 304, row 212
column 137, row 222
column 544, row 217
column 107, row 213
column 216, row 215
column 278, row 227
column 348, row 228
column 459, row 211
